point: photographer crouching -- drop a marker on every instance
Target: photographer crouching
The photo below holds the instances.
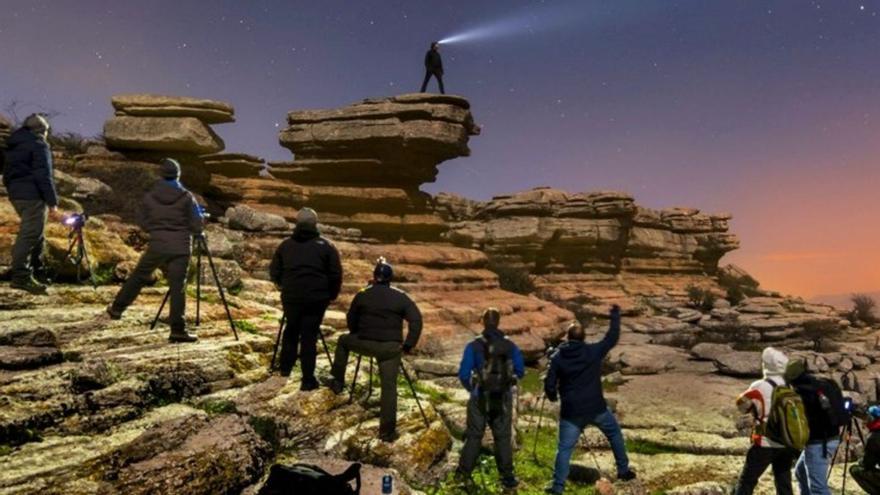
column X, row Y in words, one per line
column 171, row 216
column 27, row 176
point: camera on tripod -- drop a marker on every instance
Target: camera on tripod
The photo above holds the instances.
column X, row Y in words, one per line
column 76, row 221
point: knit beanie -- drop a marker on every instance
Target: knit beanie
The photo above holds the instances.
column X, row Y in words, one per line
column 169, row 169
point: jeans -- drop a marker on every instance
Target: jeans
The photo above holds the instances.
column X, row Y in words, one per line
column 301, row 338
column 757, row 461
column 29, row 242
column 570, row 430
column 497, row 413
column 811, row 469
column 388, row 356
column 176, row 266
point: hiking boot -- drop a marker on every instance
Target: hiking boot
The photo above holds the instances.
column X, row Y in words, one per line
column 551, row 488
column 29, row 285
column 509, row 483
column 181, row 336
column 627, row 476
column 308, row 384
column 114, row 315
column 465, row 481
column 336, row 386
column 388, row 436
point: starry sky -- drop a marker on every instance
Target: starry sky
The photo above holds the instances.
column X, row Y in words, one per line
column 769, row 110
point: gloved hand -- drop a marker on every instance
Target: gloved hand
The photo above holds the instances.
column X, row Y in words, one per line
column 552, row 397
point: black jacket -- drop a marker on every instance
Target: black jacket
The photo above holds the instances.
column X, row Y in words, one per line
column 871, row 460
column 576, row 374
column 807, row 386
column 307, row 268
column 433, row 62
column 27, row 169
column 171, row 216
column 377, row 313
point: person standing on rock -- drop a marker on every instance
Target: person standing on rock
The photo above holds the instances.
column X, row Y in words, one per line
column 171, row 216
column 375, row 325
column 27, row 176
column 490, row 367
column 307, row 269
column 433, row 67
column 575, row 377
column 764, row 452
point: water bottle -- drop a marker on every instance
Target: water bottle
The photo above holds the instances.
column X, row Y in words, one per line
column 387, row 484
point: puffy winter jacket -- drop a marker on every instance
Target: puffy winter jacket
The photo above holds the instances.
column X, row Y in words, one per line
column 171, row 216
column 307, row 268
column 27, row 168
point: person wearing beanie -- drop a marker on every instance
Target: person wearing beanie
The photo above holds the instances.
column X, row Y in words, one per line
column 867, row 472
column 764, row 452
column 171, row 216
column 375, row 325
column 307, row 269
column 29, row 182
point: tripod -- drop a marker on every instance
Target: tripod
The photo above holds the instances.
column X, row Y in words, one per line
column 845, row 438
column 278, row 341
column 201, row 250
column 406, row 377
column 76, row 250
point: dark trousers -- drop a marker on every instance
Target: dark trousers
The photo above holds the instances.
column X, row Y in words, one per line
column 439, row 77
column 28, row 245
column 175, row 267
column 868, row 479
column 757, row 461
column 388, row 356
column 300, row 338
column 497, row 414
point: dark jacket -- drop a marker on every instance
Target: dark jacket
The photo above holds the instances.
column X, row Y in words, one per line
column 472, row 359
column 433, row 62
column 171, row 216
column 27, row 169
column 377, row 313
column 307, row 268
column 576, row 374
column 808, row 387
column 871, row 460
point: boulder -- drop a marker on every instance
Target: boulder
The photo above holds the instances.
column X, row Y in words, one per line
column 149, row 105
column 246, row 218
column 710, row 352
column 28, row 357
column 5, row 130
column 233, row 164
column 187, row 135
column 743, row 364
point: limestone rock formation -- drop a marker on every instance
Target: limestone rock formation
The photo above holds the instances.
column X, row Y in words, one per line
column 147, row 105
column 187, row 135
column 233, row 165
column 5, row 130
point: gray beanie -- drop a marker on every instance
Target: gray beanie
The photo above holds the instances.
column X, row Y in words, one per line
column 169, row 169
column 307, row 216
column 36, row 123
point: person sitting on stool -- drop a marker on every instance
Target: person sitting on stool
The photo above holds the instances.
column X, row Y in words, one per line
column 171, row 215
column 375, row 324
column 307, row 269
column 867, row 472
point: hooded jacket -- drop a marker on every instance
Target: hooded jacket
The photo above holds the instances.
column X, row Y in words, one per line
column 757, row 399
column 575, row 374
column 307, row 268
column 171, row 216
column 433, row 62
column 27, row 170
column 377, row 313
column 871, row 460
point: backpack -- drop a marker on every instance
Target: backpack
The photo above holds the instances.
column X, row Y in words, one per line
column 787, row 423
column 307, row 479
column 496, row 375
column 835, row 414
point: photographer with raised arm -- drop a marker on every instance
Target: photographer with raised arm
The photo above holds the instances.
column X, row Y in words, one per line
column 575, row 377
column 171, row 216
column 307, row 269
column 27, row 176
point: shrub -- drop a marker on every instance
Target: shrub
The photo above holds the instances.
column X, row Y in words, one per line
column 821, row 332
column 863, row 309
column 129, row 184
column 513, row 279
column 738, row 287
column 69, row 141
column 700, row 298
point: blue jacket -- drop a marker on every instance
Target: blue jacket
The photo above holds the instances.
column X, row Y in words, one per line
column 27, row 170
column 472, row 359
column 576, row 374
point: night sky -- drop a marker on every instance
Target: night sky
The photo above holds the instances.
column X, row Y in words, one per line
column 769, row 110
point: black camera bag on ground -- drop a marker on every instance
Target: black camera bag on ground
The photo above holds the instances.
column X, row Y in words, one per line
column 307, row 479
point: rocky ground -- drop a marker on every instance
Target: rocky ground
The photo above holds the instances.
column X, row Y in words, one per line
column 91, row 405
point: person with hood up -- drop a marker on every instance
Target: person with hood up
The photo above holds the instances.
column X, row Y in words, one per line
column 757, row 401
column 27, row 176
column 575, row 376
column 171, row 216
column 867, row 472
column 306, row 267
column 433, row 67
column 375, row 325
column 490, row 367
